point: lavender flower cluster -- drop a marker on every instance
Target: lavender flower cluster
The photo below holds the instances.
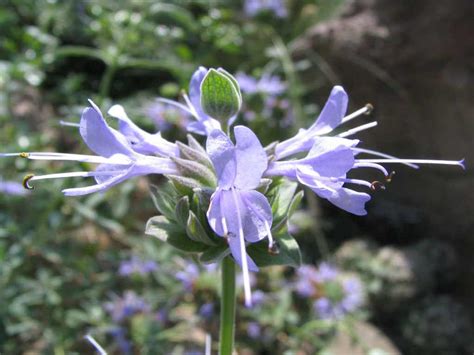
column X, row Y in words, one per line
column 236, row 172
column 333, row 295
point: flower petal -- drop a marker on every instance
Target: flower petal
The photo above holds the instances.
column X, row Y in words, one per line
column 350, row 201
column 257, row 212
column 140, row 140
column 99, row 137
column 221, row 150
column 195, row 91
column 251, row 159
column 332, row 113
column 103, row 186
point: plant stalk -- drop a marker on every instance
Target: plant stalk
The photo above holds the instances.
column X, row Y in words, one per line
column 227, row 325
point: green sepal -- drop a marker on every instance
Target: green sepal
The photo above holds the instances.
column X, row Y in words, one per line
column 197, row 155
column 282, row 224
column 196, row 231
column 184, row 185
column 234, row 81
column 289, row 252
column 264, row 185
column 280, row 197
column 194, row 144
column 196, row 170
column 164, row 198
column 182, row 210
column 220, row 98
column 214, row 254
column 163, row 229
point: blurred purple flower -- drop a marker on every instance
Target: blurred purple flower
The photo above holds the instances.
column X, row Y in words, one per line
column 165, row 115
column 254, row 7
column 120, row 337
column 12, row 188
column 137, row 266
column 125, row 307
column 254, row 330
column 334, row 295
column 206, row 311
column 268, row 84
column 188, row 276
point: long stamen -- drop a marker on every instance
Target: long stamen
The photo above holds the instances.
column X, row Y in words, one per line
column 273, row 247
column 69, row 124
column 66, row 157
column 366, row 110
column 243, row 253
column 415, row 161
column 96, row 345
column 175, row 104
column 355, row 130
column 190, row 105
column 31, row 177
column 362, row 163
column 353, row 181
column 383, row 155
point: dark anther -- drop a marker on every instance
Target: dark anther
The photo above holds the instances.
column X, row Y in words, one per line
column 274, row 249
column 390, row 176
column 377, row 184
column 26, row 179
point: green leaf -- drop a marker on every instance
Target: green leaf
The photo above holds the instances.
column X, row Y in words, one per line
column 165, row 197
column 289, row 252
column 220, row 98
column 160, row 227
column 214, row 254
column 196, row 231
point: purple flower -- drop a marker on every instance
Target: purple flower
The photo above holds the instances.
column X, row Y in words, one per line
column 120, row 337
column 254, row 330
column 236, row 211
column 206, row 311
column 137, row 266
column 117, row 160
column 127, row 306
column 188, row 276
column 253, row 7
column 334, row 295
column 163, row 115
column 204, row 124
column 267, row 84
column 329, row 159
column 141, row 141
column 12, row 188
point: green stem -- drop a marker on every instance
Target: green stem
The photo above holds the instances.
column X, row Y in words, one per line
column 106, row 82
column 227, row 325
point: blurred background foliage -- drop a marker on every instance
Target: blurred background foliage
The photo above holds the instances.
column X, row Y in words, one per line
column 73, row 266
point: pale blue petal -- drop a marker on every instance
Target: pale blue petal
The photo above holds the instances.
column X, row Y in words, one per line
column 333, row 112
column 350, row 201
column 257, row 212
column 99, row 137
column 103, row 186
column 221, row 150
column 141, row 141
column 251, row 159
column 195, row 91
